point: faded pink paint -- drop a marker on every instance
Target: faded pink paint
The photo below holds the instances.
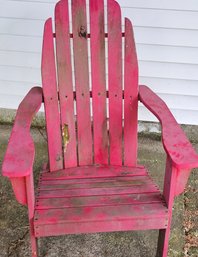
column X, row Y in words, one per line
column 169, row 194
column 175, row 142
column 84, row 133
column 115, row 81
column 95, row 172
column 118, row 202
column 98, row 197
column 67, row 202
column 19, row 156
column 31, row 209
column 130, row 97
column 65, row 85
column 100, row 136
column 51, row 100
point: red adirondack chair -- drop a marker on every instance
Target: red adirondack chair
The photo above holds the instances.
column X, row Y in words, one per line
column 94, row 183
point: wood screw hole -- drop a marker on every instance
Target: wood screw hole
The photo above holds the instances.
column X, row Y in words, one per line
column 82, row 94
column 116, row 95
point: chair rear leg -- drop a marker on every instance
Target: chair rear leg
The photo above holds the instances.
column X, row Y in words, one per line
column 163, row 240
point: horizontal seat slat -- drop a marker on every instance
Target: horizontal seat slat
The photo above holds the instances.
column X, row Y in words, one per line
column 99, row 213
column 94, row 172
column 118, row 179
column 92, row 186
column 68, row 202
column 136, row 189
column 95, row 184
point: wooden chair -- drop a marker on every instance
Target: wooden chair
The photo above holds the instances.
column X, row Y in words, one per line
column 94, row 183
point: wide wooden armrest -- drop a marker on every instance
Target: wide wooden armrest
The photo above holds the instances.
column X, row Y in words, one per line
column 19, row 156
column 175, row 142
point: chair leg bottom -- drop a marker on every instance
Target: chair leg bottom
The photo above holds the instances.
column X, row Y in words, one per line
column 163, row 240
column 33, row 241
column 34, row 246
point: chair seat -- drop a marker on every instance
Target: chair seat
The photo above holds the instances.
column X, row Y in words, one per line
column 92, row 199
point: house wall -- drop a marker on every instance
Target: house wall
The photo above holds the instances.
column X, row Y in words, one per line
column 166, row 34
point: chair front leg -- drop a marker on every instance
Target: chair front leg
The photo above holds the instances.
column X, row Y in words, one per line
column 31, row 206
column 169, row 195
column 163, row 240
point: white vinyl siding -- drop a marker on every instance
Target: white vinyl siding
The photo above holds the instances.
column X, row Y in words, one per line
column 166, row 34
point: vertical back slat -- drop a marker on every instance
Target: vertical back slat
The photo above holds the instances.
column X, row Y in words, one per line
column 51, row 99
column 79, row 24
column 98, row 81
column 64, row 71
column 115, row 81
column 130, row 97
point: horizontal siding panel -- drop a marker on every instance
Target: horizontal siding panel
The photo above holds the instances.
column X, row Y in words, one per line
column 185, row 5
column 20, row 74
column 180, row 102
column 145, row 115
column 26, row 10
column 172, row 86
column 174, row 54
column 158, row 36
column 20, row 59
column 11, row 101
column 190, row 5
column 20, row 43
column 162, row 18
column 32, row 1
column 18, row 87
column 184, row 117
column 168, row 70
column 23, row 27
